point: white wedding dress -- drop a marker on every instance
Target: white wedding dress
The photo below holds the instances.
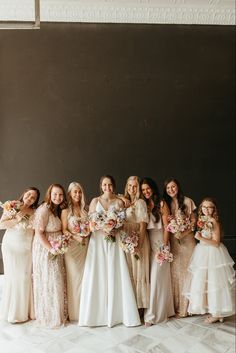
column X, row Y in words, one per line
column 107, row 296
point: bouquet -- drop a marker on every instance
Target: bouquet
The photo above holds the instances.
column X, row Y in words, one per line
column 107, row 221
column 178, row 225
column 204, row 226
column 163, row 254
column 59, row 246
column 129, row 243
column 11, row 208
column 80, row 228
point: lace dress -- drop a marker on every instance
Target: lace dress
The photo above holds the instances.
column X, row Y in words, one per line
column 48, row 275
column 139, row 269
column 107, row 296
column 17, row 303
column 212, row 280
column 74, row 262
column 182, row 252
column 161, row 299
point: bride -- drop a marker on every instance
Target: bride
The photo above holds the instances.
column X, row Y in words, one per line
column 107, row 296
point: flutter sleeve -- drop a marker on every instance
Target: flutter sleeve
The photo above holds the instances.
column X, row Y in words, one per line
column 41, row 218
column 141, row 211
column 190, row 205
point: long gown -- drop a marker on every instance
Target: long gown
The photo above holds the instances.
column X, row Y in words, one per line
column 212, row 281
column 161, row 299
column 74, row 262
column 107, row 296
column 17, row 303
column 182, row 252
column 139, row 269
column 49, row 283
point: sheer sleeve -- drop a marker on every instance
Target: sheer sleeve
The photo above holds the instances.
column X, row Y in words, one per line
column 41, row 218
column 141, row 211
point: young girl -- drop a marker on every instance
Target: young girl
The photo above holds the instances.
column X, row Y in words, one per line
column 211, row 288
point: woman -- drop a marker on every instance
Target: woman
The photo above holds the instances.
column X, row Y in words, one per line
column 73, row 218
column 182, row 242
column 136, row 223
column 17, row 305
column 49, row 274
column 107, row 296
column 161, row 299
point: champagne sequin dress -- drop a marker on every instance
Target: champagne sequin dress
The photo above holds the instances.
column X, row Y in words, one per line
column 49, row 284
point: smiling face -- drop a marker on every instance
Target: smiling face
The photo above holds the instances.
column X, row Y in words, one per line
column 207, row 208
column 29, row 198
column 75, row 194
column 107, row 186
column 132, row 187
column 146, row 191
column 172, row 189
column 57, row 196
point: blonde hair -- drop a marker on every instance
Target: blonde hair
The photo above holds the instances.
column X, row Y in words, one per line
column 215, row 213
column 126, row 194
column 82, row 202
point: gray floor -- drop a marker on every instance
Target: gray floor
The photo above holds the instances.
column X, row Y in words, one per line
column 188, row 335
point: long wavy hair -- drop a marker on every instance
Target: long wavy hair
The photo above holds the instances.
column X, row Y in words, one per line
column 180, row 195
column 215, row 213
column 155, row 197
column 126, row 194
column 82, row 201
column 55, row 209
column 112, row 181
column 33, row 188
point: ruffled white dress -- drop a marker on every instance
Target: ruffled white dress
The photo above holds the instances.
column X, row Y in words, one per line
column 74, row 262
column 211, row 287
column 17, row 303
column 161, row 299
column 107, row 296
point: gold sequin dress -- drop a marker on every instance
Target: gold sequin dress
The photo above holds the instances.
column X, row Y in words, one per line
column 182, row 251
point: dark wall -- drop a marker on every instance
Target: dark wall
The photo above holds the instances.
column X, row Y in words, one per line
column 81, row 100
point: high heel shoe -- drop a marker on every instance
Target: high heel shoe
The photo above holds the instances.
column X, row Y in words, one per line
column 212, row 319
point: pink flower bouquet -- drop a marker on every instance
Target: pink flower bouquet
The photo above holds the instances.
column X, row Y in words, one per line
column 178, row 225
column 129, row 243
column 59, row 246
column 163, row 255
column 11, row 208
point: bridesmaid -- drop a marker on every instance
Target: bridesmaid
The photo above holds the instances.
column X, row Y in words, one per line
column 17, row 305
column 75, row 256
column 161, row 299
column 182, row 246
column 136, row 221
column 49, row 274
column 107, row 296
